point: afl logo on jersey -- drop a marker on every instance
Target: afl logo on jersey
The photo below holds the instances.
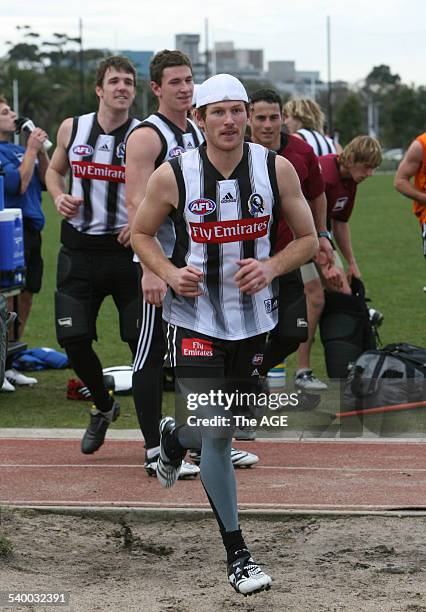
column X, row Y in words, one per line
column 176, row 152
column 120, row 150
column 255, row 204
column 83, row 149
column 202, row 206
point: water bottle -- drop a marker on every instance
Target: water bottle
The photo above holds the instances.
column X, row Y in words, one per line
column 24, row 124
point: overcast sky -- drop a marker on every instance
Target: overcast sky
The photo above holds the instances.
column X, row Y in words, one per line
column 364, row 33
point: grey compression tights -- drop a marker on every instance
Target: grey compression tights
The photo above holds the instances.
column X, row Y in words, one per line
column 216, row 471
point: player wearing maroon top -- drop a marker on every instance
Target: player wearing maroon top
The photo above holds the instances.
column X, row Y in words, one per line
column 342, row 174
column 340, row 191
column 266, row 125
column 305, row 162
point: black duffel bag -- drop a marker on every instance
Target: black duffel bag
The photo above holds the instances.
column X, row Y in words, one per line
column 391, row 376
column 346, row 330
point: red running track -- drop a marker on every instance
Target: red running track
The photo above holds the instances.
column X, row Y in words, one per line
column 291, row 475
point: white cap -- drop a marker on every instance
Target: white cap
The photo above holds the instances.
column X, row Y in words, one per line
column 194, row 95
column 220, row 88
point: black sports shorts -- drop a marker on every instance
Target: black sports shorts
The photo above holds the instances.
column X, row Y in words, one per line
column 292, row 313
column 33, row 260
column 190, row 349
column 84, row 279
column 205, row 365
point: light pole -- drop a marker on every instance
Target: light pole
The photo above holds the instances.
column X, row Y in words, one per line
column 329, row 89
column 81, row 66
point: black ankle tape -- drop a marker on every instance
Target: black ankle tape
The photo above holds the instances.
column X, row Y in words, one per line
column 174, row 450
column 234, row 544
column 107, row 407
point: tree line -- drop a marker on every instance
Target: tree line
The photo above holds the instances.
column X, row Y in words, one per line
column 56, row 80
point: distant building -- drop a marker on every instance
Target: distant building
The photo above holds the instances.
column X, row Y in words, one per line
column 307, row 76
column 189, row 44
column 244, row 63
column 223, row 57
column 284, row 71
column 248, row 64
column 141, row 60
column 287, row 79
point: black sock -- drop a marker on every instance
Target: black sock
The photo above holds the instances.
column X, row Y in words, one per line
column 147, row 395
column 174, row 450
column 87, row 366
column 234, row 544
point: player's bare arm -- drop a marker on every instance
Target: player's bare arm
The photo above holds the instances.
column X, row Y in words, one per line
column 142, row 149
column 43, row 159
column 66, row 204
column 324, row 258
column 342, row 233
column 254, row 275
column 160, row 198
column 406, row 170
column 318, row 208
column 140, row 157
column 34, row 150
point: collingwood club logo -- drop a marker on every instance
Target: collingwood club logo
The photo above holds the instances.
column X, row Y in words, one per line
column 255, row 204
column 121, row 150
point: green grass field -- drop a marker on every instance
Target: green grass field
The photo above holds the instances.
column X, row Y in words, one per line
column 387, row 244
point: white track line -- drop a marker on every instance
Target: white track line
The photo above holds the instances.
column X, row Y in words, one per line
column 135, row 435
column 258, row 467
column 134, row 504
column 179, row 513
